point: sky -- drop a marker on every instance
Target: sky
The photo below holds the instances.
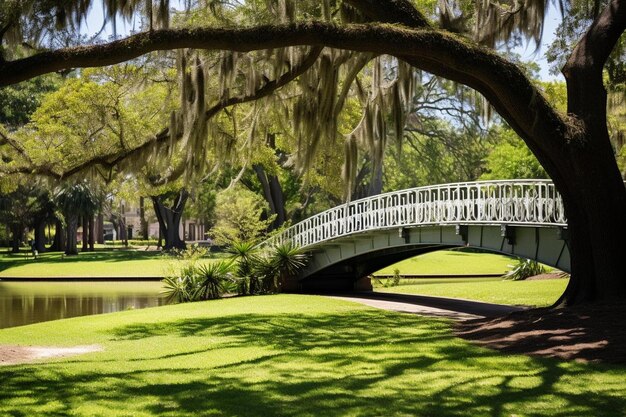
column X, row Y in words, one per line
column 527, row 52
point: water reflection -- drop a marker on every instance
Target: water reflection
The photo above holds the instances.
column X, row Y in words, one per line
column 31, row 302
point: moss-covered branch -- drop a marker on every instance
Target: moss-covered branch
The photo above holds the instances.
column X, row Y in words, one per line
column 391, row 11
column 114, row 158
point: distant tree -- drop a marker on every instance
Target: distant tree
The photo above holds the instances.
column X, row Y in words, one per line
column 238, row 217
column 75, row 200
column 18, row 103
column 202, row 204
column 511, row 159
column 19, row 209
column 169, row 208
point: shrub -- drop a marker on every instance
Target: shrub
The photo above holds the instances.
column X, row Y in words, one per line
column 266, row 275
column 523, row 269
column 239, row 217
column 395, row 280
column 287, row 260
column 387, row 282
column 246, row 256
column 191, row 253
column 195, row 282
column 265, row 272
column 212, row 279
column 132, row 242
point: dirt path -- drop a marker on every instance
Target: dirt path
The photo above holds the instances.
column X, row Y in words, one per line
column 15, row 355
column 453, row 308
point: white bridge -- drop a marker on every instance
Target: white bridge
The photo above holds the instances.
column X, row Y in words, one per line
column 524, row 218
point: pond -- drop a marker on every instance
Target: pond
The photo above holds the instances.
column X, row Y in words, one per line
column 31, row 302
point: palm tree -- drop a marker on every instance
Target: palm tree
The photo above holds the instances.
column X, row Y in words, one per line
column 75, row 200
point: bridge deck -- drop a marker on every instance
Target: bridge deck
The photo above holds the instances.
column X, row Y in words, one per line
column 524, row 218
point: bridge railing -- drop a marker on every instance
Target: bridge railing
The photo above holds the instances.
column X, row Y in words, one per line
column 514, row 202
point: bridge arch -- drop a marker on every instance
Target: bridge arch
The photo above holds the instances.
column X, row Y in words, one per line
column 523, row 218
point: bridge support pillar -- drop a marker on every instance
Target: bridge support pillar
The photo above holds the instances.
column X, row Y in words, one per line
column 328, row 285
column 363, row 284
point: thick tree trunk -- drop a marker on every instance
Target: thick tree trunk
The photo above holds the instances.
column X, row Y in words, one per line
column 100, row 228
column 361, row 189
column 58, row 243
column 278, row 196
column 71, row 247
column 40, row 235
column 587, row 175
column 376, row 183
column 142, row 218
column 273, row 194
column 92, row 231
column 595, row 209
column 169, row 219
column 17, row 232
column 159, row 211
column 85, row 239
column 595, row 202
column 123, row 235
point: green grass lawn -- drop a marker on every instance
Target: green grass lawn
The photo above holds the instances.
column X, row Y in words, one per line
column 102, row 263
column 291, row 355
column 452, row 262
column 141, row 263
column 490, row 290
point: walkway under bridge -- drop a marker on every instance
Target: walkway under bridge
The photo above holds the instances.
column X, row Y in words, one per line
column 523, row 218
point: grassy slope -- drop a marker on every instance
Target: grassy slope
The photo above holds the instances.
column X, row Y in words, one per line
column 490, row 290
column 291, row 356
column 111, row 263
column 452, row 262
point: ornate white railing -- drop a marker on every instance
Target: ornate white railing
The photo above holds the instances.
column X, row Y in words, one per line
column 514, row 202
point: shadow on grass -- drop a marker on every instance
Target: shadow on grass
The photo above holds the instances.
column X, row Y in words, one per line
column 590, row 332
column 362, row 363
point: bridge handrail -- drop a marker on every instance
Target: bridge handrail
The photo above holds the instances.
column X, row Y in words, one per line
column 513, row 202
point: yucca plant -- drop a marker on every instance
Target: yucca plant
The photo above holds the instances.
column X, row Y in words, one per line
column 265, row 275
column 211, row 279
column 246, row 255
column 523, row 269
column 287, row 260
column 179, row 285
column 175, row 289
column 194, row 282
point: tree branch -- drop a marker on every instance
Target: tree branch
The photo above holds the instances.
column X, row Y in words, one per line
column 596, row 45
column 391, row 11
column 114, row 158
column 436, row 51
column 586, row 95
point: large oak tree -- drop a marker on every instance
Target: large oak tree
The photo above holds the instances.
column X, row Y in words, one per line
column 574, row 148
